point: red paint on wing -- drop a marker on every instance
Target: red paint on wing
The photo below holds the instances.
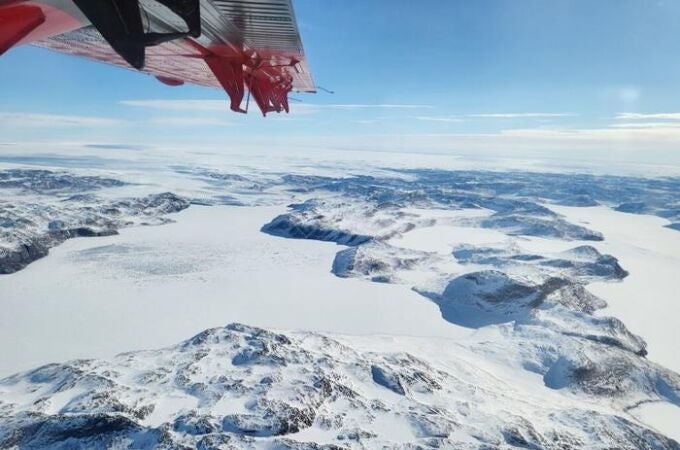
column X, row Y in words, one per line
column 268, row 73
column 229, row 73
column 169, row 81
column 17, row 22
column 25, row 22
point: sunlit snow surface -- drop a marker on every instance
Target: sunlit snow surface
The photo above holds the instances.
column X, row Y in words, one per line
column 450, row 308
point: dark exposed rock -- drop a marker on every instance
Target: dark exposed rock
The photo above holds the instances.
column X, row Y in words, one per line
column 15, row 259
column 37, row 431
column 28, row 242
column 194, row 424
column 49, row 182
column 633, row 207
column 387, row 379
column 582, row 262
column 487, row 297
column 516, row 224
column 286, row 225
column 376, row 261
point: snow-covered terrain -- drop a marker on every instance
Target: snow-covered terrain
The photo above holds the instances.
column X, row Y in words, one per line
column 45, row 208
column 434, row 308
column 243, row 387
column 154, row 286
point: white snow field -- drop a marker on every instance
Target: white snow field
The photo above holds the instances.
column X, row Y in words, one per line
column 382, row 308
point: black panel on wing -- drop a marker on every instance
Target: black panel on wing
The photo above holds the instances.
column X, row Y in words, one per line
column 189, row 11
column 120, row 23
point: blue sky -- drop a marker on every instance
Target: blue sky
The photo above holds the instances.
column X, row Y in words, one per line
column 532, row 77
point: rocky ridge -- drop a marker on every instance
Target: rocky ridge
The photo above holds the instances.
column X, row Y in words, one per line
column 243, row 387
column 49, row 207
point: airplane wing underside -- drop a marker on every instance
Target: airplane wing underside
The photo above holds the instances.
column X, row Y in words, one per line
column 238, row 45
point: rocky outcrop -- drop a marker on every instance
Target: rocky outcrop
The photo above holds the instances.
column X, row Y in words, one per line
column 19, row 256
column 245, row 387
column 286, row 225
column 336, row 220
column 39, row 181
column 30, row 229
column 379, row 262
column 585, row 263
column 520, row 224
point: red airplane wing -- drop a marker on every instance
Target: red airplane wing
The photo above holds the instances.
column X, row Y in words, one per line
column 238, row 45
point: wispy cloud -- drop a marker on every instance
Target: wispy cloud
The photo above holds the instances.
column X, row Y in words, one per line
column 372, row 106
column 626, row 136
column 645, row 125
column 222, row 105
column 179, row 105
column 316, row 108
column 647, row 116
column 439, row 118
column 189, row 122
column 520, row 115
column 15, row 119
column 511, row 115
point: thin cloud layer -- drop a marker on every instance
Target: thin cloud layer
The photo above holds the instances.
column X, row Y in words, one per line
column 647, row 116
column 221, row 105
column 16, row 119
column 179, row 105
column 511, row 115
column 646, row 125
column 189, row 121
column 450, row 119
column 520, row 115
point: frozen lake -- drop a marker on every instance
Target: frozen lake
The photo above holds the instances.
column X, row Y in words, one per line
column 154, row 286
column 648, row 300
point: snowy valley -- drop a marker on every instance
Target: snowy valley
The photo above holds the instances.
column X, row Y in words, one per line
column 332, row 308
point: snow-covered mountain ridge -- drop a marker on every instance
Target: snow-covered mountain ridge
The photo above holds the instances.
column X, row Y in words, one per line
column 543, row 367
column 49, row 207
column 244, row 387
column 43, row 207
